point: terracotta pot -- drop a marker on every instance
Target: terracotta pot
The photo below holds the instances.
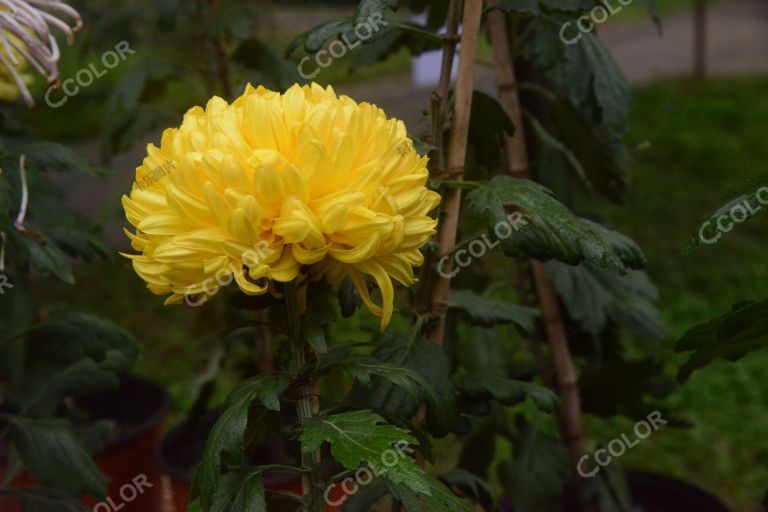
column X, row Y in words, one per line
column 138, row 409
column 180, row 450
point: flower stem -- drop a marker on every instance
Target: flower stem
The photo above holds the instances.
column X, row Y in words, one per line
column 312, row 484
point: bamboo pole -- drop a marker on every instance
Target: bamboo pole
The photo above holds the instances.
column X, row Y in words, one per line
column 457, row 152
column 571, row 426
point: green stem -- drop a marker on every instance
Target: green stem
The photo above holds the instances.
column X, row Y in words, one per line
column 313, row 484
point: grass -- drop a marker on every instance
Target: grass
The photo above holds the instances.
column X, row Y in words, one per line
column 705, row 141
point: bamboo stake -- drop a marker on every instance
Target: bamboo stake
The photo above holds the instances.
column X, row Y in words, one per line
column 571, row 425
column 457, row 152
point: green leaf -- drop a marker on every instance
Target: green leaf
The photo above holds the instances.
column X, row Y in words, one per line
column 536, row 477
column 593, row 296
column 228, row 434
column 53, row 456
column 43, row 156
column 610, row 490
column 534, row 7
column 314, row 39
column 49, row 259
column 584, row 70
column 747, row 205
column 391, row 39
column 361, row 369
column 551, row 230
column 518, row 6
column 426, row 359
column 438, row 499
column 507, row 391
column 489, row 126
column 472, row 486
column 240, row 491
column 363, row 437
column 731, row 336
column 82, row 377
column 316, row 338
column 76, row 335
column 261, row 58
column 488, row 312
column 550, row 143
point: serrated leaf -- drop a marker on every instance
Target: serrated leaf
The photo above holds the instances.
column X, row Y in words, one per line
column 363, row 368
column 53, row 456
column 536, row 477
column 228, row 434
column 82, row 377
column 426, row 359
column 584, row 70
column 489, row 126
column 507, row 391
column 50, row 260
column 534, row 7
column 438, row 499
column 240, row 491
column 52, row 156
column 362, row 438
column 472, row 486
column 76, row 335
column 314, row 39
column 551, row 230
column 749, row 204
column 550, row 143
column 593, row 296
column 260, row 57
column 489, row 312
column 731, row 336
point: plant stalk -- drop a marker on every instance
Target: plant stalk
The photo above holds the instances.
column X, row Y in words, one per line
column 457, row 152
column 571, row 425
column 312, row 484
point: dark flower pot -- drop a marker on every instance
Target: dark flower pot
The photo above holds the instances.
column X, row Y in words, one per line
column 138, row 409
column 652, row 492
column 659, row 493
column 180, row 450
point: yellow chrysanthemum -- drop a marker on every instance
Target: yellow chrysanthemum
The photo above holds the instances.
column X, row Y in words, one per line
column 276, row 187
column 12, row 74
column 26, row 38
